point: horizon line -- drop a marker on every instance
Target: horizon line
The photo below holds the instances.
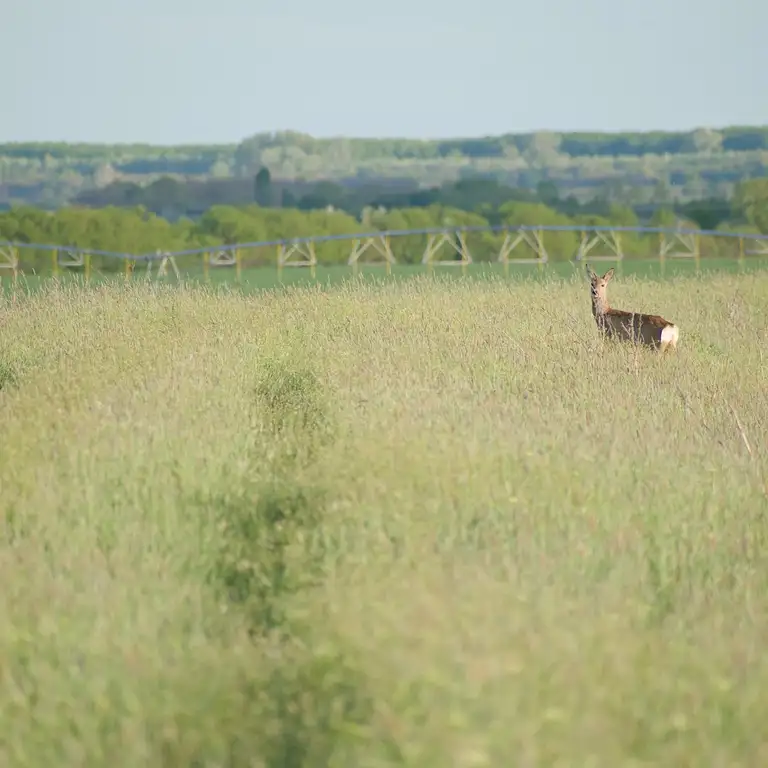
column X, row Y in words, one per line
column 425, row 140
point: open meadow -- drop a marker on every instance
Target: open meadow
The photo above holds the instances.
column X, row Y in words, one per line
column 427, row 523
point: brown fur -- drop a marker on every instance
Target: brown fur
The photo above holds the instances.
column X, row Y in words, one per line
column 650, row 330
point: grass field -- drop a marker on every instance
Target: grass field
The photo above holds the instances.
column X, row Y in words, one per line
column 429, row 523
column 268, row 278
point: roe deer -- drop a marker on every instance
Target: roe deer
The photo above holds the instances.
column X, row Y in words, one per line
column 651, row 330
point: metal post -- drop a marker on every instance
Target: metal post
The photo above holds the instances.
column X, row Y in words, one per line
column 697, row 251
column 541, row 250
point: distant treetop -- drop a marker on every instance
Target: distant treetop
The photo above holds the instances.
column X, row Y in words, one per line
column 577, row 144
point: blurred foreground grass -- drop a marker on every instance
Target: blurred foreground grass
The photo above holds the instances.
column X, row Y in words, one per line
column 436, row 523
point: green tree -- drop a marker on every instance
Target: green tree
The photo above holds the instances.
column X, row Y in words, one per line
column 323, row 195
column 219, row 169
column 262, row 187
column 548, row 192
column 559, row 245
column 750, row 200
column 708, row 213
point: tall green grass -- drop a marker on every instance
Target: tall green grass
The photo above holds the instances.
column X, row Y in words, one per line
column 429, row 523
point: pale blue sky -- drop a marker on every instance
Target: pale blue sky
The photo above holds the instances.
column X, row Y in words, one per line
column 181, row 71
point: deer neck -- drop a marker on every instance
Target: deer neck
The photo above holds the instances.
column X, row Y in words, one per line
column 600, row 305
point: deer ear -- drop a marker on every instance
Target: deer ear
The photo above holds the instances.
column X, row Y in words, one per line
column 609, row 274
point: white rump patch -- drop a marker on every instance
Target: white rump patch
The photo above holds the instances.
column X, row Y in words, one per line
column 669, row 335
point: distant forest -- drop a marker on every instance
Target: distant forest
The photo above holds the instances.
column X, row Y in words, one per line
column 136, row 230
column 694, row 172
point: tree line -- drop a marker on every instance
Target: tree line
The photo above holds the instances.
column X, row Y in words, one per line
column 173, row 199
column 634, row 167
column 573, row 144
column 137, row 231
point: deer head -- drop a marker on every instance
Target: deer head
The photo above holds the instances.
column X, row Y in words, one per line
column 598, row 286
